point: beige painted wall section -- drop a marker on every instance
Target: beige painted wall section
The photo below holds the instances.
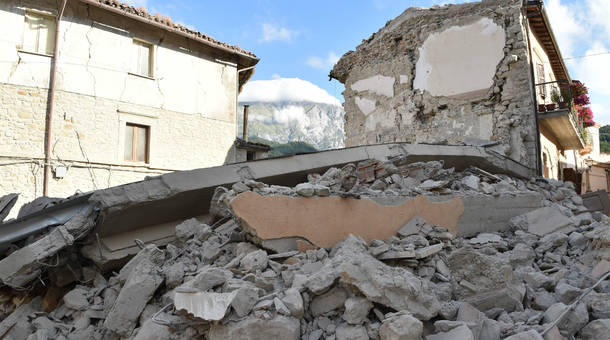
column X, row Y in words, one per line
column 597, row 179
column 189, row 105
column 550, row 157
column 539, row 56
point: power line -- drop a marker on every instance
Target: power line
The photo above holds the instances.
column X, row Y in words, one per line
column 586, row 56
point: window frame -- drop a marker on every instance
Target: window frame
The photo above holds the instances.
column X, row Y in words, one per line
column 51, row 36
column 134, row 143
column 135, row 58
column 541, row 79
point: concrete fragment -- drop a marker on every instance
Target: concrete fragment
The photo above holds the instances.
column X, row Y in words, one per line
column 333, row 299
column 7, row 202
column 280, row 307
column 598, row 329
column 245, row 299
column 192, row 228
column 402, row 327
column 77, row 299
column 547, row 220
column 19, row 314
column 461, row 332
column 412, row 227
column 390, row 286
column 149, row 253
column 24, row 265
column 471, row 182
column 256, row 260
column 208, row 278
column 294, row 301
column 600, row 269
column 305, row 189
column 133, row 297
column 566, row 293
column 204, row 305
column 529, row 335
column 575, row 320
column 349, row 332
column 151, row 330
column 356, row 310
column 398, row 255
column 428, row 251
column 252, row 328
column 484, row 238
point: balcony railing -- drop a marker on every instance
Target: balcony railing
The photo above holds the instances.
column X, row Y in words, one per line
column 555, row 97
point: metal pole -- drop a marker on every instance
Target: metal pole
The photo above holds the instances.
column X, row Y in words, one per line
column 51, row 104
column 245, row 130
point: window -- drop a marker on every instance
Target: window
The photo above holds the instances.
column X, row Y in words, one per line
column 137, row 143
column 39, row 33
column 143, row 54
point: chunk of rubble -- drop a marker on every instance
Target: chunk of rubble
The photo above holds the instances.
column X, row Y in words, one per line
column 544, row 221
column 401, row 327
column 252, row 328
column 204, row 305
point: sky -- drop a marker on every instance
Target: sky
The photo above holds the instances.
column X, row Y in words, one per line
column 303, row 39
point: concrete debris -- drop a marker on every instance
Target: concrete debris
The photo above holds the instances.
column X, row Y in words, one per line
column 407, row 272
column 7, row 202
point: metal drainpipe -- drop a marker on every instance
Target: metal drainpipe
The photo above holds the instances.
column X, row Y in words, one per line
column 51, row 104
column 529, row 50
column 245, row 125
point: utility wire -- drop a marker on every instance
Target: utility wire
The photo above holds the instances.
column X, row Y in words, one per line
column 586, row 56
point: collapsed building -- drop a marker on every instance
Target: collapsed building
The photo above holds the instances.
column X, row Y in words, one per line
column 394, row 241
column 481, row 73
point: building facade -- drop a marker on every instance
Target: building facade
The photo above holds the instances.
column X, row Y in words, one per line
column 470, row 74
column 133, row 95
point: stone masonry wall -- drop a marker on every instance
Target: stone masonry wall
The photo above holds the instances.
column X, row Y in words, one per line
column 403, row 84
column 88, row 140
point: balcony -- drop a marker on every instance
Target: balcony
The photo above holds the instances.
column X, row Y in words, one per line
column 557, row 115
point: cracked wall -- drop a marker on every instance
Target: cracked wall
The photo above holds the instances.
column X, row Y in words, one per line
column 189, row 104
column 451, row 75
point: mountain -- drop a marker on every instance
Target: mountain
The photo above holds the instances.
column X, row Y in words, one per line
column 318, row 124
column 284, row 149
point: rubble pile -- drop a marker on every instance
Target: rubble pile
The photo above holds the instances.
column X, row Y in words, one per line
column 218, row 281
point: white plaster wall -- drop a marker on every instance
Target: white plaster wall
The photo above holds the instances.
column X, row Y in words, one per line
column 460, row 59
column 378, row 84
column 96, row 58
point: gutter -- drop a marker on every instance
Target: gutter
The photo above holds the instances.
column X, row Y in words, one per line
column 167, row 28
column 51, row 104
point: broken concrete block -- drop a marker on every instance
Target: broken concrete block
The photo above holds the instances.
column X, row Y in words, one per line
column 461, row 332
column 245, row 299
column 567, row 293
column 529, row 335
column 428, row 251
column 24, row 265
column 598, row 329
column 600, row 269
column 256, row 260
column 204, row 305
column 77, row 299
column 402, row 327
column 207, row 278
column 349, row 332
column 252, row 328
column 192, row 228
column 356, row 310
column 545, row 221
column 18, row 314
column 149, row 253
column 331, row 300
column 305, row 189
column 412, row 227
column 390, row 286
column 133, row 297
column 294, row 301
column 572, row 322
column 398, row 255
column 151, row 330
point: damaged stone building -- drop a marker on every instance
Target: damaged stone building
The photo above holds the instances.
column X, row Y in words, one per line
column 476, row 74
column 98, row 93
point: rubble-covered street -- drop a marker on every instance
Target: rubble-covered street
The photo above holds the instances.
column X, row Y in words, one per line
column 541, row 275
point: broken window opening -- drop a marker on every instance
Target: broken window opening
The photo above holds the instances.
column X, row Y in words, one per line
column 39, row 33
column 541, row 80
column 143, row 54
column 137, row 143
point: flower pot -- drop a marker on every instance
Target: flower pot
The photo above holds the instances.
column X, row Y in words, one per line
column 541, row 108
column 550, row 107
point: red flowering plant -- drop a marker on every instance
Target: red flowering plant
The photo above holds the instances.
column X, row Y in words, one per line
column 585, row 115
column 580, row 93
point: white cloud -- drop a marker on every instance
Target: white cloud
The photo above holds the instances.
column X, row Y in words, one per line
column 275, row 33
column 599, row 14
column 594, row 70
column 291, row 114
column 285, row 90
column 275, row 76
column 323, row 63
column 568, row 28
